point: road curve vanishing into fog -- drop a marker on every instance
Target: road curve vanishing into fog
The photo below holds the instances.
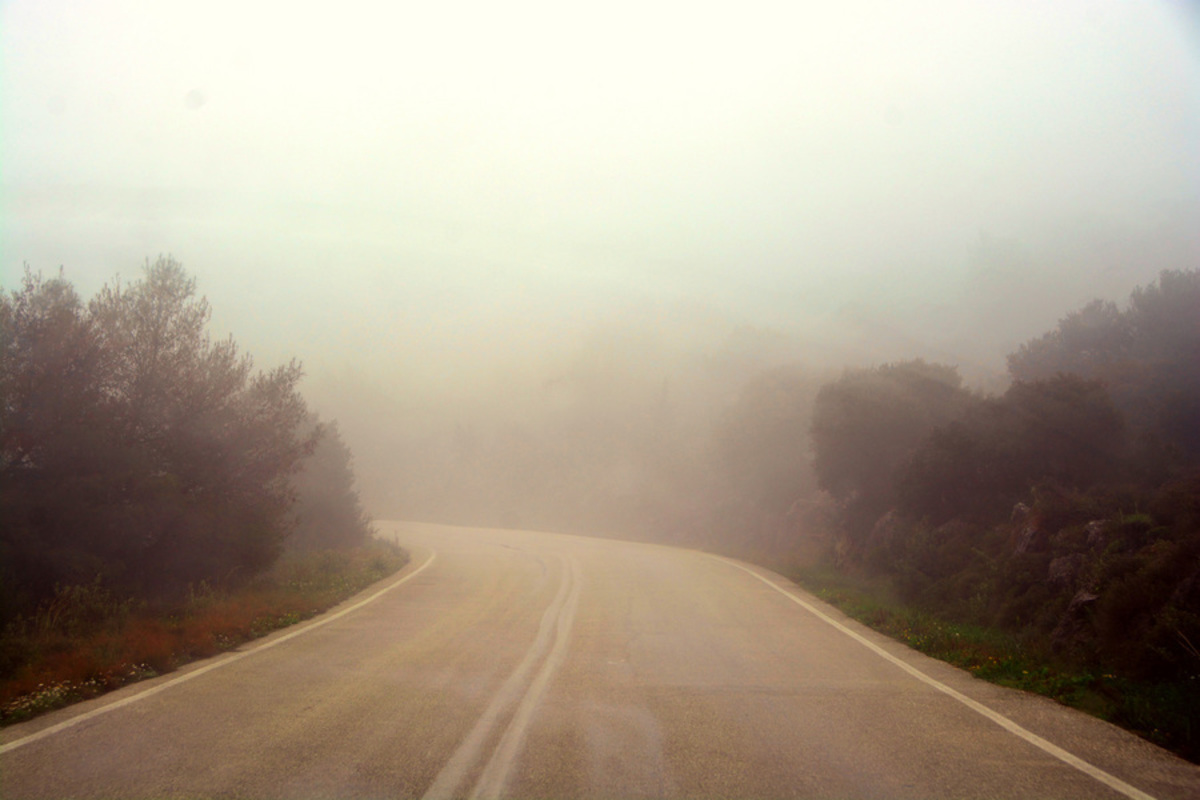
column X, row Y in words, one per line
column 520, row 664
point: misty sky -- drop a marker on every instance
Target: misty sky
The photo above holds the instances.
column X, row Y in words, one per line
column 408, row 191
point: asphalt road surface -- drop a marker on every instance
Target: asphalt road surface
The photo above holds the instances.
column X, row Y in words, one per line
column 519, row 664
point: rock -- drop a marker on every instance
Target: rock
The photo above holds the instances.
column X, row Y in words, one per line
column 1027, row 540
column 1069, row 540
column 1065, row 570
column 1097, row 533
column 884, row 532
column 1028, row 537
column 1073, row 620
column 1082, row 598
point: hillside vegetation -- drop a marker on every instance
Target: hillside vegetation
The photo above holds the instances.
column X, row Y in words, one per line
column 143, row 463
column 1065, row 511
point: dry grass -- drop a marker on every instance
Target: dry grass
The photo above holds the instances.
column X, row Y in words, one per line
column 84, row 643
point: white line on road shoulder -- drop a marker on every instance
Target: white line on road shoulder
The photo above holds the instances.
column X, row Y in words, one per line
column 1078, row 763
column 216, row 664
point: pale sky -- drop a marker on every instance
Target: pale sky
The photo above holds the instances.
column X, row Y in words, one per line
column 409, row 189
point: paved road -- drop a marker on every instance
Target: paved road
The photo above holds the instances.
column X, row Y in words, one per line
column 518, row 664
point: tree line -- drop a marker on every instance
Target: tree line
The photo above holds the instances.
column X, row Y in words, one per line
column 137, row 451
column 1066, row 510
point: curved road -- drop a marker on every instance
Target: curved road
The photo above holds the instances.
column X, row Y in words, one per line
column 520, row 664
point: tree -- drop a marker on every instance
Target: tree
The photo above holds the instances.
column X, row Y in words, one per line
column 869, row 422
column 134, row 448
column 1064, row 430
column 49, row 369
column 1090, row 342
column 1146, row 357
column 1166, row 341
column 953, row 472
column 329, row 514
column 762, row 440
column 215, row 445
column 52, row 436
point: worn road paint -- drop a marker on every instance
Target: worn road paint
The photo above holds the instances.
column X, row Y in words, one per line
column 552, row 634
column 495, row 774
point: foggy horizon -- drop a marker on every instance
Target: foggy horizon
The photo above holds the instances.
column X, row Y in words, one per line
column 637, row 399
column 442, row 211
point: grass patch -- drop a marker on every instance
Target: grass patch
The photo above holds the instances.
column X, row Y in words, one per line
column 85, row 642
column 1166, row 714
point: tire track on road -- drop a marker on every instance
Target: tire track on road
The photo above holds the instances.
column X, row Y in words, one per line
column 549, row 648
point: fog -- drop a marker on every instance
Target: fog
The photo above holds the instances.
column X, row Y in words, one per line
column 529, row 253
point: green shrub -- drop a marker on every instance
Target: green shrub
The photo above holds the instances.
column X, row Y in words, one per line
column 1147, row 611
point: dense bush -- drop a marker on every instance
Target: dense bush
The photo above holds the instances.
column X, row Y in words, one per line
column 869, row 422
column 134, row 449
column 1066, row 511
column 1146, row 356
column 1109, row 590
column 1063, row 429
column 328, row 512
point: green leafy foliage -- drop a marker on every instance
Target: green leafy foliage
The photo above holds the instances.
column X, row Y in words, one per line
column 328, row 512
column 869, row 422
column 1064, row 513
column 1146, row 356
column 133, row 448
column 1162, row 711
column 762, row 439
column 1063, row 429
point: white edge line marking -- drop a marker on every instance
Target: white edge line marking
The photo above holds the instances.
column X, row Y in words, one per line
column 1078, row 763
column 216, row 664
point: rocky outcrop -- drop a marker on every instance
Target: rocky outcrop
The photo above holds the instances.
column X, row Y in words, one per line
column 1097, row 534
column 1029, row 536
column 1074, row 620
column 1029, row 539
column 1064, row 571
